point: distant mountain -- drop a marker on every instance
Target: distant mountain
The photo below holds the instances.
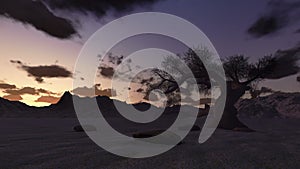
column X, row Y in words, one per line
column 64, row 108
column 282, row 105
column 278, row 104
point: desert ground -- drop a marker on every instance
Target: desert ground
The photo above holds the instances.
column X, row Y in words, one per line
column 51, row 143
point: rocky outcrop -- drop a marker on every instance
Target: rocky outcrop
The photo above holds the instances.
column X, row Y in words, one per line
column 276, row 105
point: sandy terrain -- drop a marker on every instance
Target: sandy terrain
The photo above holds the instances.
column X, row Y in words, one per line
column 51, row 143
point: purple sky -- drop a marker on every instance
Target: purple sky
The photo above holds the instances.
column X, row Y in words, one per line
column 224, row 22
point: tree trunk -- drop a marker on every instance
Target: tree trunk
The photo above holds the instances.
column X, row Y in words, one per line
column 229, row 118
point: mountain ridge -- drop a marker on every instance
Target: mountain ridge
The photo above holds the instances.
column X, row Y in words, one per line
column 278, row 104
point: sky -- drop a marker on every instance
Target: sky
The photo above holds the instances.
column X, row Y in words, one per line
column 28, row 50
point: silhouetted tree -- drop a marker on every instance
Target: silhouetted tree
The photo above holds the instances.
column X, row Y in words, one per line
column 240, row 75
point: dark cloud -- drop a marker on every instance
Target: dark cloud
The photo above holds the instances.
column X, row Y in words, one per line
column 22, row 91
column 107, row 72
column 265, row 25
column 93, row 91
column 7, row 86
column 12, row 97
column 287, row 63
column 280, row 15
column 44, row 71
column 116, row 60
column 36, row 14
column 48, row 99
column 98, row 8
column 44, row 91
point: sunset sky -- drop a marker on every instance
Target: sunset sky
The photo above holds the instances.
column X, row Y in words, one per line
column 24, row 49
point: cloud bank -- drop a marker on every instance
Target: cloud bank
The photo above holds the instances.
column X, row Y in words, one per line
column 48, row 99
column 93, row 91
column 12, row 97
column 40, row 13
